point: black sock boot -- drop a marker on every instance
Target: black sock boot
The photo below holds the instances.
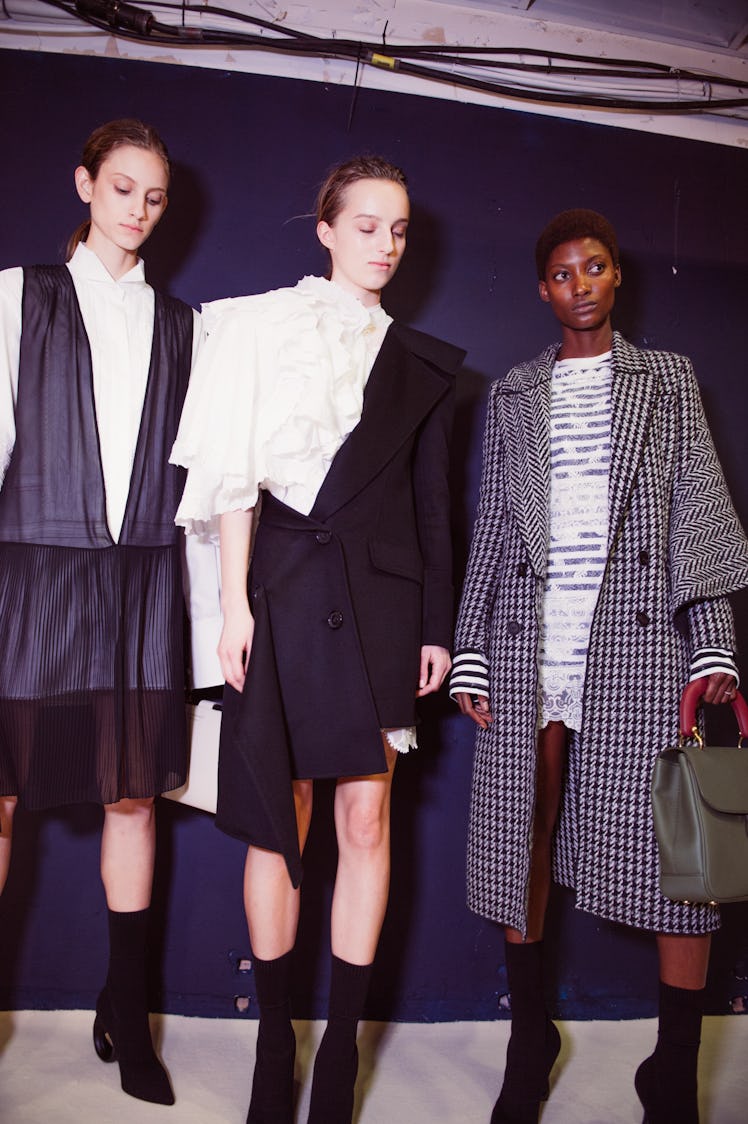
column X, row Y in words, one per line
column 336, row 1064
column 534, row 1042
column 272, row 1084
column 121, row 1030
column 666, row 1080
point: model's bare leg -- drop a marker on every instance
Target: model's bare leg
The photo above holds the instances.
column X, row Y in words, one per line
column 128, row 850
column 551, row 763
column 362, row 822
column 271, row 901
column 272, row 907
column 534, row 1043
column 121, row 1030
column 362, row 883
column 684, row 960
column 7, row 811
column 666, row 1081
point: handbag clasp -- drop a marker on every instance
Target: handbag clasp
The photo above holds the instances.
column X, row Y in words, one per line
column 683, row 738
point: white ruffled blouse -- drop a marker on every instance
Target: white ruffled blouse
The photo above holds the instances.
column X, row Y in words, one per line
column 278, row 386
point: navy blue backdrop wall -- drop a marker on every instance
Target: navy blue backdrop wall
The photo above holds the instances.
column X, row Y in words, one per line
column 249, row 152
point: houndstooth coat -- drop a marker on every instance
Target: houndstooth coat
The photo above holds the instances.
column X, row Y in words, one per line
column 676, row 550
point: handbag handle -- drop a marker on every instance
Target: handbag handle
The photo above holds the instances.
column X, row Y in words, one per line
column 689, row 701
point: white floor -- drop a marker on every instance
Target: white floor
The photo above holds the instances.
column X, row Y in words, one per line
column 409, row 1073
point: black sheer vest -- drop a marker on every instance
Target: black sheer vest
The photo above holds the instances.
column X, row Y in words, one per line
column 53, row 493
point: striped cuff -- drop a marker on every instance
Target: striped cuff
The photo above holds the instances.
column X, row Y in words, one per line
column 712, row 661
column 469, row 674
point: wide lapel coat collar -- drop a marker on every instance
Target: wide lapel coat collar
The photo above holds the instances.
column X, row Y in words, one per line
column 635, row 392
column 524, row 402
column 400, row 392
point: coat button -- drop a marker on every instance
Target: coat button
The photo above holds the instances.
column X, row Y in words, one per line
column 335, row 619
column 257, row 592
column 514, row 628
column 643, row 618
column 643, row 557
column 522, row 570
column 323, row 536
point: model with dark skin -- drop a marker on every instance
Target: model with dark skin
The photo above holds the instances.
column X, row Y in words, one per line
column 579, row 282
column 580, row 285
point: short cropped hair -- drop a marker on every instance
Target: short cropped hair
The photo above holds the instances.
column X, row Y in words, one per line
column 570, row 225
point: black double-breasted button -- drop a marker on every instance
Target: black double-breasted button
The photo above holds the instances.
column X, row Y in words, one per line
column 643, row 557
column 323, row 537
column 522, row 570
column 643, row 618
column 335, row 619
column 514, row 628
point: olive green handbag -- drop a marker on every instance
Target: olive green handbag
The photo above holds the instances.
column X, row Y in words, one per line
column 700, row 807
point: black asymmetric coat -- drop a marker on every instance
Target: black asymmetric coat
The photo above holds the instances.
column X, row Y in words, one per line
column 343, row 600
column 675, row 551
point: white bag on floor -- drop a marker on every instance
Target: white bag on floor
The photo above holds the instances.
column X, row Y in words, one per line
column 201, row 787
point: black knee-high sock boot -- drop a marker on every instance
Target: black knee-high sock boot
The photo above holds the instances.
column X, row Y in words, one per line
column 336, row 1064
column 666, row 1080
column 272, row 1084
column 121, row 1029
column 534, row 1042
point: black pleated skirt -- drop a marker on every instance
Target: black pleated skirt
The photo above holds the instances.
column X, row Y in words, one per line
column 91, row 673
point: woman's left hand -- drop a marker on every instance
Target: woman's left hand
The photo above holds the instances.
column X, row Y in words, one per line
column 435, row 663
column 720, row 688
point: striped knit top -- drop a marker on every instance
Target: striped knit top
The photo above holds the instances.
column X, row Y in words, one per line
column 578, row 531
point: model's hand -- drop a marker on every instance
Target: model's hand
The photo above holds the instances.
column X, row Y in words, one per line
column 236, row 643
column 435, row 663
column 720, row 687
column 476, row 707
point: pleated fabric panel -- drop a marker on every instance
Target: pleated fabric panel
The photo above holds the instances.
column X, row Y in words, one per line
column 91, row 673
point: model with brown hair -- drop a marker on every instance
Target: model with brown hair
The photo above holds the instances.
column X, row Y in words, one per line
column 313, row 398
column 93, row 370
